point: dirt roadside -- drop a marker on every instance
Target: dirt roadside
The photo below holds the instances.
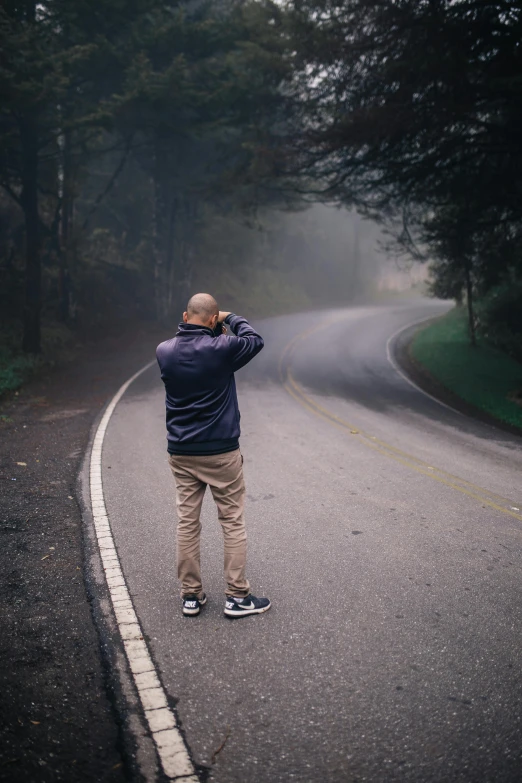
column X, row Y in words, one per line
column 57, row 722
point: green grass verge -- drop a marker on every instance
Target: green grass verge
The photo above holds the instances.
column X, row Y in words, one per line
column 481, row 376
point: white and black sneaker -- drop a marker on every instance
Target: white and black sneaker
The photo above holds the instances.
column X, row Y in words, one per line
column 240, row 607
column 192, row 604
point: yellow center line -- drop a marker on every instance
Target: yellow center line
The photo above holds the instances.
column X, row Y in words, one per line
column 295, row 390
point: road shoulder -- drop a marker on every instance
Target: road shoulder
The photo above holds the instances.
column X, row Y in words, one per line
column 61, row 711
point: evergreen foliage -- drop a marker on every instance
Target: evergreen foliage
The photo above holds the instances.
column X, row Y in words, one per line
column 168, row 105
column 413, row 110
column 135, row 135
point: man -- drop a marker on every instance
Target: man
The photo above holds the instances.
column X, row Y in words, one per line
column 197, row 368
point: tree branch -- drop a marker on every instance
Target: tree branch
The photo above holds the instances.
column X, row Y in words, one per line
column 12, row 193
column 117, row 171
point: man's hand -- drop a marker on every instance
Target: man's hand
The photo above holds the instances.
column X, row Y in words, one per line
column 222, row 315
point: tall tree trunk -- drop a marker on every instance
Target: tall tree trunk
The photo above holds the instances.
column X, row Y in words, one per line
column 171, row 254
column 174, row 219
column 158, row 233
column 469, row 298
column 33, row 271
column 161, row 214
column 165, row 239
column 65, row 229
column 187, row 250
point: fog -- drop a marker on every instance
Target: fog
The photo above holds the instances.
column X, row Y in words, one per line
column 321, row 257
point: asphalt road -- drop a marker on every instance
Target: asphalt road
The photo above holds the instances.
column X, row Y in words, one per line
column 384, row 529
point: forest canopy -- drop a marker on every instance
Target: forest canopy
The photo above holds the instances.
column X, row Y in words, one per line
column 145, row 146
column 413, row 111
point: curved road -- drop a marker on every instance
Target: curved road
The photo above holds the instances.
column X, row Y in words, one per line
column 386, row 529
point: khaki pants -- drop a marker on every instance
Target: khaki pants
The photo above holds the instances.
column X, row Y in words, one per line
column 223, row 473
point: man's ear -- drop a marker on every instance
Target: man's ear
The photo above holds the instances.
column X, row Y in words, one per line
column 185, row 318
column 213, row 321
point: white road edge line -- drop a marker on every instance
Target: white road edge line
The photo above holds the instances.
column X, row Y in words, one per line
column 403, row 374
column 170, row 745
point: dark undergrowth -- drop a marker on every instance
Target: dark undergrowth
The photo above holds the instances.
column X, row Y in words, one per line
column 16, row 367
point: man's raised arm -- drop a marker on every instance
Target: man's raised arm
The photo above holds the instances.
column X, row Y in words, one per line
column 245, row 343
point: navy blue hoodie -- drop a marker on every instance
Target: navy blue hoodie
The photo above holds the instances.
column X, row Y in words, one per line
column 198, row 372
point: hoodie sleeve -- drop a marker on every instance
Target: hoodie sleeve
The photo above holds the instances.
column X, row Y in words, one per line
column 246, row 342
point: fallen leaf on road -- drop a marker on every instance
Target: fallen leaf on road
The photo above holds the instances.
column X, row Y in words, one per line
column 23, row 464
column 35, row 722
column 118, row 765
column 354, row 432
column 44, row 557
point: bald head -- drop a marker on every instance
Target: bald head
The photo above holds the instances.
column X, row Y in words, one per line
column 202, row 309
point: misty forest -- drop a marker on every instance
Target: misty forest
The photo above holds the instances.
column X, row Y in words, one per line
column 262, row 151
column 320, row 200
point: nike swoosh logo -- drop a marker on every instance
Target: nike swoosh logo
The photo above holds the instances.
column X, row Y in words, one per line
column 242, row 606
